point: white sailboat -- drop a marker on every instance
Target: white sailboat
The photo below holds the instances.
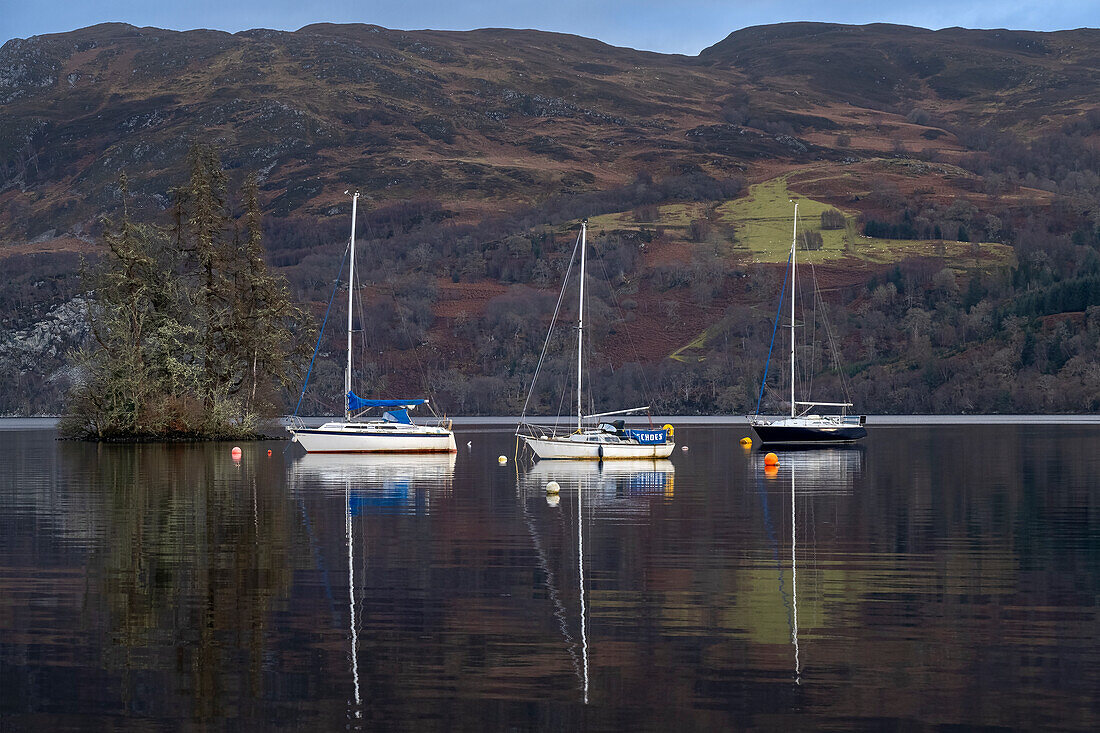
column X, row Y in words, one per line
column 395, row 432
column 805, row 426
column 602, row 439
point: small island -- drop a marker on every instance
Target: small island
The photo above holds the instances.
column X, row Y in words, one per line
column 192, row 338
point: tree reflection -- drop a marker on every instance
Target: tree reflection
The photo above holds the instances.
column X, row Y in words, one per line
column 194, row 555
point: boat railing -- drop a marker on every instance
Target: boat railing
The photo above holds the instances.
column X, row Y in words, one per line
column 816, row 419
column 530, row 430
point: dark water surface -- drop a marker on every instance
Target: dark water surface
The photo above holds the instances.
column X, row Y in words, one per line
column 936, row 576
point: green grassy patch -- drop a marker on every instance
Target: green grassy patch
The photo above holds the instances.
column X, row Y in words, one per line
column 670, row 217
column 697, row 344
column 763, row 223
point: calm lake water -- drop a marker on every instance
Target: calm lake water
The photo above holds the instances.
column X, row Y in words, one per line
column 938, row 575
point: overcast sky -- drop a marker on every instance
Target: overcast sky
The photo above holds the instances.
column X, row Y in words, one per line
column 683, row 26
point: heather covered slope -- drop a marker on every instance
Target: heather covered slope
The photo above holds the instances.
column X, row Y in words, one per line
column 486, row 120
column 963, row 165
column 1004, row 77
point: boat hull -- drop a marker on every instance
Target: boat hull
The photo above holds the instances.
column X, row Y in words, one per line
column 423, row 440
column 566, row 449
column 809, row 434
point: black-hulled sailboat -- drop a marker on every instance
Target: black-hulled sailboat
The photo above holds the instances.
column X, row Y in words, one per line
column 803, row 426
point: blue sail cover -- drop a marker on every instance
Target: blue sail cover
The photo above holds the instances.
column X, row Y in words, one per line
column 398, row 416
column 649, row 437
column 358, row 403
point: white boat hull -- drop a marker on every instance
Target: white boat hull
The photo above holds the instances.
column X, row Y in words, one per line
column 374, row 438
column 569, row 448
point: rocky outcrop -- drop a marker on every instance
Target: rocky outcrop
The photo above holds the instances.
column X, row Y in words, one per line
column 38, row 355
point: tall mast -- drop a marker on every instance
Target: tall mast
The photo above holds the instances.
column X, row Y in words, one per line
column 351, row 290
column 580, row 323
column 794, row 249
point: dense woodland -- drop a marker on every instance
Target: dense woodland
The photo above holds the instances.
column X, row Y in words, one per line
column 916, row 337
column 191, row 337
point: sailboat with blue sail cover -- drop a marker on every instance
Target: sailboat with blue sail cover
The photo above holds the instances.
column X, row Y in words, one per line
column 395, row 432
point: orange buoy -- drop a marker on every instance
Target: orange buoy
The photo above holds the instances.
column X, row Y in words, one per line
column 771, row 471
column 771, row 460
column 269, row 453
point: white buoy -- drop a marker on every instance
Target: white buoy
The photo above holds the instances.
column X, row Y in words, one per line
column 553, row 488
column 684, row 448
column 502, row 460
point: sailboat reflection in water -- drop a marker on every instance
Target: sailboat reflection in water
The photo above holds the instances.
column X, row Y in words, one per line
column 812, row 474
column 383, row 483
column 369, row 484
column 615, row 489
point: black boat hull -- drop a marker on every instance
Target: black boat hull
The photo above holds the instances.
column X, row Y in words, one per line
column 785, row 434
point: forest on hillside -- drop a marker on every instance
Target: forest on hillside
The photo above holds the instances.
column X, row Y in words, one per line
column 914, row 337
column 479, row 154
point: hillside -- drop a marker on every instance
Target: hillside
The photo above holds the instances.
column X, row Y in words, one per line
column 960, row 151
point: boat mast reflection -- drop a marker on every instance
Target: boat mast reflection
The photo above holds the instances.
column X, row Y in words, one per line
column 794, row 583
column 371, row 484
column 351, row 602
column 813, row 473
column 613, row 489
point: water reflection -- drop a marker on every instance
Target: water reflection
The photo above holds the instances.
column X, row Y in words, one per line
column 369, row 484
column 185, row 556
column 378, row 484
column 591, row 491
column 940, row 577
column 821, row 471
column 802, row 477
column 614, row 489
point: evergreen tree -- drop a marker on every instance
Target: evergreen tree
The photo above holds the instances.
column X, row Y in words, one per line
column 203, row 221
column 193, row 337
column 138, row 366
column 262, row 329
